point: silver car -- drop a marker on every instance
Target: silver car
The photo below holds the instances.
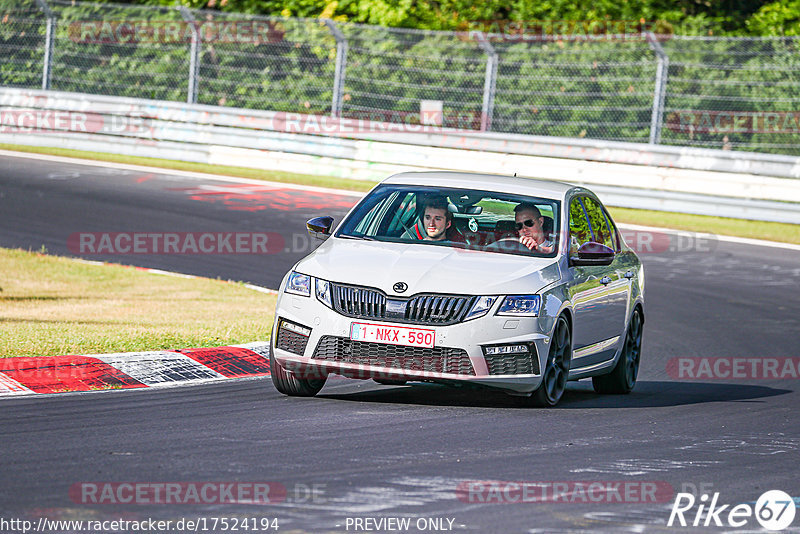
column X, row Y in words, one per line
column 464, row 279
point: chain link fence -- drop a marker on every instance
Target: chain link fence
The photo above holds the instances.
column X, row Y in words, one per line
column 729, row 93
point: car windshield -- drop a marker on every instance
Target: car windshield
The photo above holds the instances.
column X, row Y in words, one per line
column 463, row 218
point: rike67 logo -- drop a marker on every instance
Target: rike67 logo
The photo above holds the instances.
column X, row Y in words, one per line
column 774, row 510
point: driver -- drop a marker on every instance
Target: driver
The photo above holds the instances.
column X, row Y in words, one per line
column 436, row 219
column 529, row 227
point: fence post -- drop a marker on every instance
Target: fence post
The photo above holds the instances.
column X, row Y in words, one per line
column 341, row 65
column 660, row 91
column 194, row 55
column 49, row 38
column 489, row 82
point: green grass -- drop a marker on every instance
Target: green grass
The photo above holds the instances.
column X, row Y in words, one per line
column 52, row 305
column 787, row 233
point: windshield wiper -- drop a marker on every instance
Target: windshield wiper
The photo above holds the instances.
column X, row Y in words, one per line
column 364, row 237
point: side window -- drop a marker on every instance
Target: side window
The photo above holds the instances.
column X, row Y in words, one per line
column 403, row 218
column 371, row 222
column 597, row 219
column 579, row 231
column 613, row 228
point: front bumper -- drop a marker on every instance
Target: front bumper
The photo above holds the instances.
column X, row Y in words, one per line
column 457, row 357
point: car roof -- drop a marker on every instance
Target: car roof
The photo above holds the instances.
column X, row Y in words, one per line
column 488, row 182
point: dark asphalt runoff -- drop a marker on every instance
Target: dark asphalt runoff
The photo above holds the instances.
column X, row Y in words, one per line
column 360, row 453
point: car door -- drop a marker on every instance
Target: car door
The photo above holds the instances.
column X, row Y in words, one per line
column 616, row 283
column 585, row 289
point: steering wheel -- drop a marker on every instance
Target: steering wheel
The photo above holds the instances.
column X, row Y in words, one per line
column 507, row 244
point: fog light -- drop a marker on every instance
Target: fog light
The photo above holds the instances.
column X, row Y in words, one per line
column 505, row 349
column 296, row 328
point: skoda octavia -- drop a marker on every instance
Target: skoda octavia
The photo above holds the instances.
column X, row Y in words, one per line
column 464, row 279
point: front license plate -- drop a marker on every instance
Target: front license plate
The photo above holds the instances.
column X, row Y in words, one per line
column 394, row 335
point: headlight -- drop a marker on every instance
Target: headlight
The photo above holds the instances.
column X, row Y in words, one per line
column 520, row 305
column 323, row 292
column 480, row 308
column 298, row 284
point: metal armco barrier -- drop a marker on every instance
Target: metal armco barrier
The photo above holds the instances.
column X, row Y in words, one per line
column 689, row 180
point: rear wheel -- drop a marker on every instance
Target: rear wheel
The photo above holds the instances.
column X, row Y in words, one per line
column 556, row 372
column 289, row 384
column 623, row 378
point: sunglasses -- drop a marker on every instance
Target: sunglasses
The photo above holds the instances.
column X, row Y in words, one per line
column 529, row 223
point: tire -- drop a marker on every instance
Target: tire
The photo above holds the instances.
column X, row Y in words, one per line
column 556, row 372
column 288, row 384
column 387, row 382
column 622, row 379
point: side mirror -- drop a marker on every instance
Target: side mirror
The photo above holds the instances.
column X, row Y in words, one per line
column 320, row 227
column 592, row 254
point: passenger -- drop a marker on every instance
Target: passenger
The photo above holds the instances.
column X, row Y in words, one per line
column 436, row 219
column 529, row 227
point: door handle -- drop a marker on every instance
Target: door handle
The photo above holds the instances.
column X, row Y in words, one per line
column 605, row 280
column 629, row 275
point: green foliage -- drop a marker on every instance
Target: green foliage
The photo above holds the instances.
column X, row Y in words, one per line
column 777, row 18
column 689, row 17
column 595, row 89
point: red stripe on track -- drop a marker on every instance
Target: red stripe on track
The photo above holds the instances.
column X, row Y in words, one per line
column 60, row 374
column 230, row 362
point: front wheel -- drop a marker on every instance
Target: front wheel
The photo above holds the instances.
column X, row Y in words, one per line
column 289, row 384
column 556, row 372
column 623, row 378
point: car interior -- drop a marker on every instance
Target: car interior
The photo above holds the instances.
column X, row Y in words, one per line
column 479, row 220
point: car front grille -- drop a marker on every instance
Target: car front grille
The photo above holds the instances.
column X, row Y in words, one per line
column 426, row 309
column 514, row 364
column 435, row 360
column 290, row 341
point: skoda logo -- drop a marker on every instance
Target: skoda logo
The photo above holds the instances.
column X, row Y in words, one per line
column 400, row 287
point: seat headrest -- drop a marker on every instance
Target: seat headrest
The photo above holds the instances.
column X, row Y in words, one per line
column 506, row 226
column 547, row 225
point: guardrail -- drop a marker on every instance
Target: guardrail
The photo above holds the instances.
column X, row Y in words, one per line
column 701, row 181
column 608, row 80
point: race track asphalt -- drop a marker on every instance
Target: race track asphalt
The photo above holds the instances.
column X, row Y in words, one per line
column 371, row 451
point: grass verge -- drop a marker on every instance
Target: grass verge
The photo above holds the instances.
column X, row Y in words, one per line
column 783, row 232
column 787, row 233
column 52, row 305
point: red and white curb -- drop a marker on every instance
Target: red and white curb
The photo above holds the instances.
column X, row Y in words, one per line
column 62, row 374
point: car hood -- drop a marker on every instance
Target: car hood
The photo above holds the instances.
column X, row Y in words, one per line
column 428, row 268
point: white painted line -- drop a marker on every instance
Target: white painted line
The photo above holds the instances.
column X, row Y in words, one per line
column 9, row 386
column 261, row 289
column 176, row 275
column 178, row 173
column 726, row 238
column 158, row 367
column 172, row 273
